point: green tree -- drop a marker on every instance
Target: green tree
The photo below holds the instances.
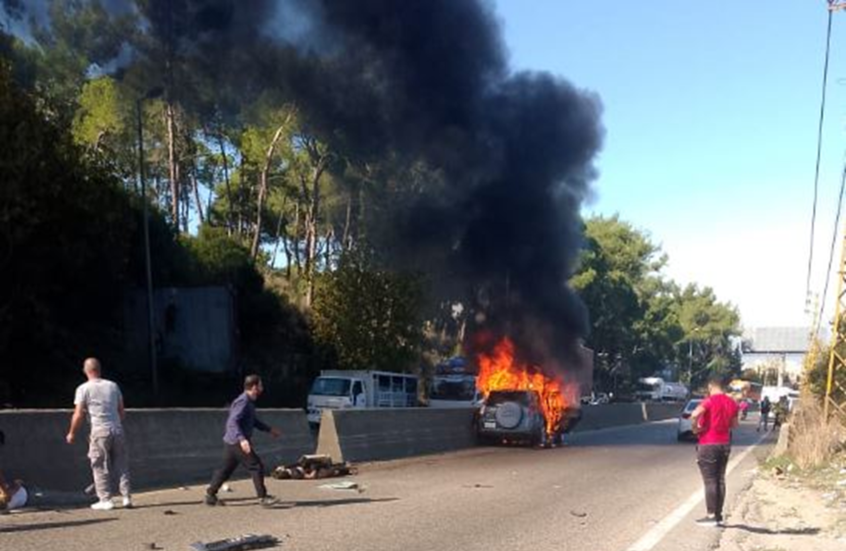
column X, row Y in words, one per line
column 66, row 233
column 710, row 328
column 618, row 278
column 369, row 319
column 104, row 124
column 641, row 322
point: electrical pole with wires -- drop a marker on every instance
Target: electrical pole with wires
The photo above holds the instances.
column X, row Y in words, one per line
column 835, row 393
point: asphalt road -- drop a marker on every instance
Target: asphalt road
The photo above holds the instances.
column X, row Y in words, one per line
column 603, row 491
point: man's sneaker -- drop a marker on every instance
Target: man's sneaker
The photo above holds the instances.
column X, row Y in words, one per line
column 127, row 502
column 268, row 501
column 211, row 500
column 103, row 505
column 710, row 520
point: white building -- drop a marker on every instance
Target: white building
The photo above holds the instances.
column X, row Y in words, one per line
column 776, row 349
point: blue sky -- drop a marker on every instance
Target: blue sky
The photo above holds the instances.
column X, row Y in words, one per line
column 711, row 112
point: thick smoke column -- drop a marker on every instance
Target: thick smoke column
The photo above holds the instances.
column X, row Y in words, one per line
column 430, row 78
column 425, row 79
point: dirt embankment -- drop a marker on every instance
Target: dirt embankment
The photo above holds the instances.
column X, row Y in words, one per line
column 786, row 509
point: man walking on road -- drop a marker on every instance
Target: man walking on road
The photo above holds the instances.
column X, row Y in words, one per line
column 237, row 446
column 763, row 420
column 102, row 402
column 713, row 420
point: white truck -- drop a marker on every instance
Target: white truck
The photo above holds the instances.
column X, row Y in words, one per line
column 656, row 389
column 454, row 385
column 360, row 389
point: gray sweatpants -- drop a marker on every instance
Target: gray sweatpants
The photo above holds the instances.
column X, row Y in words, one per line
column 109, row 462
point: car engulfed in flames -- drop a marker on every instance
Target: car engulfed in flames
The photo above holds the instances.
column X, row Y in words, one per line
column 522, row 401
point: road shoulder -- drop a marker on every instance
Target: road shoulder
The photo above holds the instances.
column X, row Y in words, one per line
column 783, row 510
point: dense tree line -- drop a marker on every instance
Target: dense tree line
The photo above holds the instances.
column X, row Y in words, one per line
column 249, row 189
column 642, row 322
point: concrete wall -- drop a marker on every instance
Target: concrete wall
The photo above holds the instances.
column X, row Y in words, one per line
column 169, row 447
column 194, row 325
column 617, row 415
column 380, row 434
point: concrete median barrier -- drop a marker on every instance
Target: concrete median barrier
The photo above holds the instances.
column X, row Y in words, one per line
column 618, row 415
column 662, row 412
column 381, row 434
column 168, row 447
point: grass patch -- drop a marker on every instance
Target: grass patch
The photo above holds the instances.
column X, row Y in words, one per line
column 814, row 440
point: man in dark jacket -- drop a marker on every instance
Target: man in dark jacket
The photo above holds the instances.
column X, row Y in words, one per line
column 763, row 420
column 237, row 445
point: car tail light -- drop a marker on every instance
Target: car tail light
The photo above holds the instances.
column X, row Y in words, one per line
column 685, row 416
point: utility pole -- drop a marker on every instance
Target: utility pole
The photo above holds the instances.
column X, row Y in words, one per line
column 151, row 324
column 836, row 360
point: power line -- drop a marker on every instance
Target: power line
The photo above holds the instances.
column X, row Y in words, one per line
column 832, row 6
column 833, row 245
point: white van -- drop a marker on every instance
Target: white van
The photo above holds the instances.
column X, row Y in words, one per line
column 454, row 391
column 360, row 389
column 454, row 385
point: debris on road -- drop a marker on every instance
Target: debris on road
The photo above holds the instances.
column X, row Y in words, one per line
column 169, row 512
column 311, row 467
column 477, row 486
column 226, row 488
column 578, row 514
column 240, row 543
column 341, row 486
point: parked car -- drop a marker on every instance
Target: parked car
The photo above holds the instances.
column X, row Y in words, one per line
column 685, row 424
column 516, row 416
column 595, row 399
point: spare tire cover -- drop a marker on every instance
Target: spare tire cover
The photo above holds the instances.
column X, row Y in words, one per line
column 509, row 415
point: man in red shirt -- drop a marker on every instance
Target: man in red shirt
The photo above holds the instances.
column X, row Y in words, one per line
column 713, row 420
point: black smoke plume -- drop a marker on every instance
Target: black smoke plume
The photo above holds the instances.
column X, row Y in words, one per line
column 426, row 80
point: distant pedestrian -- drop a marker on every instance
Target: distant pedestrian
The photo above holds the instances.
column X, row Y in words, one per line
column 780, row 410
column 764, row 419
column 237, row 443
column 713, row 420
column 102, row 402
column 744, row 408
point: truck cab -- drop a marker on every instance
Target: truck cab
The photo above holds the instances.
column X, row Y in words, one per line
column 360, row 389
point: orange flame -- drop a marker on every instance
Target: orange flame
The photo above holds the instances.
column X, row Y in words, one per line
column 498, row 370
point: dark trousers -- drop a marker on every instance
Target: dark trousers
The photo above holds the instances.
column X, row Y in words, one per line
column 233, row 456
column 713, row 460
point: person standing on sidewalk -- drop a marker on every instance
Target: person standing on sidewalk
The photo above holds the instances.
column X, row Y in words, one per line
column 713, row 420
column 237, row 443
column 102, row 402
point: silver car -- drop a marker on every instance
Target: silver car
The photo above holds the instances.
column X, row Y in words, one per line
column 516, row 416
column 685, row 424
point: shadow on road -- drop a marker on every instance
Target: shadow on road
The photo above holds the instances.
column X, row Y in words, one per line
column 810, row 531
column 191, row 502
column 53, row 525
column 328, row 502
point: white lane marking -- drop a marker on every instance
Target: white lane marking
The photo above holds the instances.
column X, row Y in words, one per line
column 658, row 532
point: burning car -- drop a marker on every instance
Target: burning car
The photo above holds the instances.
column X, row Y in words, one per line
column 522, row 402
column 517, row 416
